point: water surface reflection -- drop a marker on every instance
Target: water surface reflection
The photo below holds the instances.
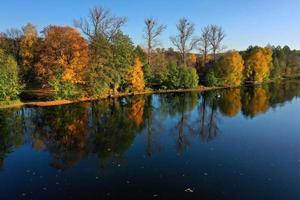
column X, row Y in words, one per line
column 149, row 138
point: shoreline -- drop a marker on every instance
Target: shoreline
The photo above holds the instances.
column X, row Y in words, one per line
column 86, row 99
column 61, row 102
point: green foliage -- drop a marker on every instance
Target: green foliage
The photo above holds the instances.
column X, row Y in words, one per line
column 63, row 89
column 173, row 77
column 123, row 58
column 285, row 62
column 189, row 77
column 96, row 85
column 211, row 77
column 109, row 63
column 148, row 75
column 179, row 77
column 10, row 86
column 140, row 53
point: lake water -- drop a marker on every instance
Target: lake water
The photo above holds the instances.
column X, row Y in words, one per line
column 225, row 144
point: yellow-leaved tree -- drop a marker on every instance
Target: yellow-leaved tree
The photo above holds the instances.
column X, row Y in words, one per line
column 28, row 47
column 135, row 76
column 230, row 67
column 258, row 64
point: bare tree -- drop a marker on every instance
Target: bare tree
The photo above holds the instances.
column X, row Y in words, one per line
column 204, row 45
column 216, row 37
column 152, row 31
column 184, row 41
column 14, row 33
column 100, row 22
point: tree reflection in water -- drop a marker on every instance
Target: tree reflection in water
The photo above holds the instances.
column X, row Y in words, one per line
column 108, row 128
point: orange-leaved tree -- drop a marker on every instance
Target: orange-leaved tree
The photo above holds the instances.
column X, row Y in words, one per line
column 135, row 76
column 258, row 64
column 231, row 66
column 192, row 60
column 63, row 49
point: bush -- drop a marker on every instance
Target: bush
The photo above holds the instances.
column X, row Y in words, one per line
column 10, row 86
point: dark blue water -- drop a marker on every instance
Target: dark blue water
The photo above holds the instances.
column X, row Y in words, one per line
column 226, row 144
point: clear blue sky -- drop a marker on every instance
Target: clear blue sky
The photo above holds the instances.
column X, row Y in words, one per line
column 256, row 22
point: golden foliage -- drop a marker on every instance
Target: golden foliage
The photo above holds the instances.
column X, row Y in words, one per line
column 192, row 60
column 230, row 102
column 258, row 64
column 256, row 102
column 231, row 67
column 28, row 45
column 65, row 48
column 135, row 76
column 137, row 112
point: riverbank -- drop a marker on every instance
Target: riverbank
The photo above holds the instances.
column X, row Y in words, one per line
column 49, row 103
column 14, row 104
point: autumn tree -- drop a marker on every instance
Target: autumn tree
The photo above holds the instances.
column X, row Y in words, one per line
column 192, row 60
column 215, row 38
column 28, row 47
column 63, row 49
column 151, row 33
column 135, row 77
column 184, row 41
column 258, row 63
column 230, row 67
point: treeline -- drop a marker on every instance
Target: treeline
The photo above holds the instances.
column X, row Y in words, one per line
column 96, row 58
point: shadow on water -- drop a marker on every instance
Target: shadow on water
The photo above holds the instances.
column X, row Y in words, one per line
column 109, row 129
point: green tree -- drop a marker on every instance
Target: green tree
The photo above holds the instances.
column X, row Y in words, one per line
column 141, row 54
column 122, row 58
